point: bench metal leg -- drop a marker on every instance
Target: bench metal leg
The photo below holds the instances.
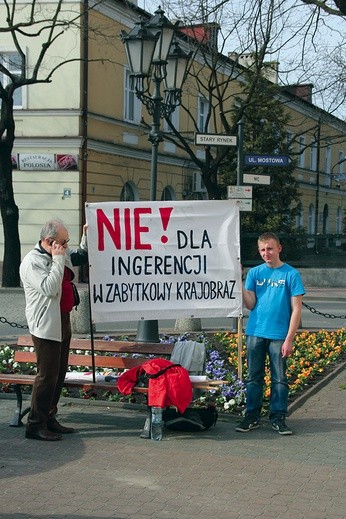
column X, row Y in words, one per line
column 17, row 419
column 19, row 413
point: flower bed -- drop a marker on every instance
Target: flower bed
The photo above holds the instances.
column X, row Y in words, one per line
column 313, row 354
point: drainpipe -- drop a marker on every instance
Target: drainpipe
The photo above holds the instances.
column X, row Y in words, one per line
column 317, row 184
column 84, row 121
column 84, row 129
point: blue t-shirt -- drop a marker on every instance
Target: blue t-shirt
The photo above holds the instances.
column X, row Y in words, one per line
column 274, row 288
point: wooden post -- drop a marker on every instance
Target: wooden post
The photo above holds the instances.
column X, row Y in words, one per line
column 240, row 347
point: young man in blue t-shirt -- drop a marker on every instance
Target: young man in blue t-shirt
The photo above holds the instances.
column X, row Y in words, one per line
column 273, row 293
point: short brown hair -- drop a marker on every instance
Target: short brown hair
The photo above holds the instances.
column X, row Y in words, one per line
column 268, row 236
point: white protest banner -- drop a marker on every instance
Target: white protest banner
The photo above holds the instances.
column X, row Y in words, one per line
column 159, row 260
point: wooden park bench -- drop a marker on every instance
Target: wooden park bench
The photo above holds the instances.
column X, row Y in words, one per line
column 107, row 355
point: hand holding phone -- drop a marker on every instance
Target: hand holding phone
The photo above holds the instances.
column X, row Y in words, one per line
column 57, row 249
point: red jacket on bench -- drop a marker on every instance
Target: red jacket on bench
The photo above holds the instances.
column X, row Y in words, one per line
column 172, row 387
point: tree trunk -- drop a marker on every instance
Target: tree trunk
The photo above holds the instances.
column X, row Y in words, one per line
column 10, row 218
column 10, row 269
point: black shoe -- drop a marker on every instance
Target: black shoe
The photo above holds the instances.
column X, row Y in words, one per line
column 43, row 435
column 55, row 427
column 279, row 425
column 247, row 424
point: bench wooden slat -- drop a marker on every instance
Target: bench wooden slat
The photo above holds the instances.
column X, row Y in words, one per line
column 29, row 380
column 16, row 378
column 101, row 361
column 110, row 346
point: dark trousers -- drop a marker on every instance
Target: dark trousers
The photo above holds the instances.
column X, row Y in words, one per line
column 52, row 362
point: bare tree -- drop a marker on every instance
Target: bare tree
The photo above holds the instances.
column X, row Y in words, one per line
column 317, row 55
column 255, row 30
column 279, row 35
column 307, row 39
column 46, row 23
column 337, row 7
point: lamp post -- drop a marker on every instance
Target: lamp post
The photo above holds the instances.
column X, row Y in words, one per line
column 154, row 58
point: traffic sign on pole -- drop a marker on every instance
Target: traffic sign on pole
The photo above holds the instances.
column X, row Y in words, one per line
column 266, row 160
column 242, row 195
column 213, row 139
column 256, row 179
column 239, row 192
column 244, row 204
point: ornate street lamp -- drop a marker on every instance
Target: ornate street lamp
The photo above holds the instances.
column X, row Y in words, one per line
column 154, row 59
column 140, row 45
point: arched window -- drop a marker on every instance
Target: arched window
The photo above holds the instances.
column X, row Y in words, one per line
column 129, row 192
column 300, row 218
column 168, row 194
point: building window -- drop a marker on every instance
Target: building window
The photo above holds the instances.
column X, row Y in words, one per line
column 203, row 112
column 129, row 192
column 313, row 155
column 132, row 105
column 300, row 219
column 12, row 62
column 301, row 152
column 174, row 118
column 289, row 140
column 325, row 225
column 341, row 162
column 328, row 159
column 328, row 166
column 168, row 194
column 338, row 220
column 311, row 221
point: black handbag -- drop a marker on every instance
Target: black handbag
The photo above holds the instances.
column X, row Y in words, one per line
column 194, row 419
column 75, row 295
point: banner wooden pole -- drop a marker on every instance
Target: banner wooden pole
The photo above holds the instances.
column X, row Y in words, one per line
column 91, row 332
column 240, row 347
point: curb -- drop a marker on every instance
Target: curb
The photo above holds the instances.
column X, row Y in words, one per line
column 298, row 402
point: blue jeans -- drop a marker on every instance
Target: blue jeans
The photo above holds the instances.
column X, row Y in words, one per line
column 257, row 349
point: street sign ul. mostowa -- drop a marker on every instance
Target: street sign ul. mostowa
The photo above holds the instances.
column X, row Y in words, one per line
column 266, row 160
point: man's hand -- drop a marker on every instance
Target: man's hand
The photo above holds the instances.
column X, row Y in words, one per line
column 287, row 348
column 57, row 249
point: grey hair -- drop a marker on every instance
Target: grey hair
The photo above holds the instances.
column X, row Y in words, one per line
column 51, row 229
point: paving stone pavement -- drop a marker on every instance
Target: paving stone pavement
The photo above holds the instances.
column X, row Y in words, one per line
column 106, row 470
